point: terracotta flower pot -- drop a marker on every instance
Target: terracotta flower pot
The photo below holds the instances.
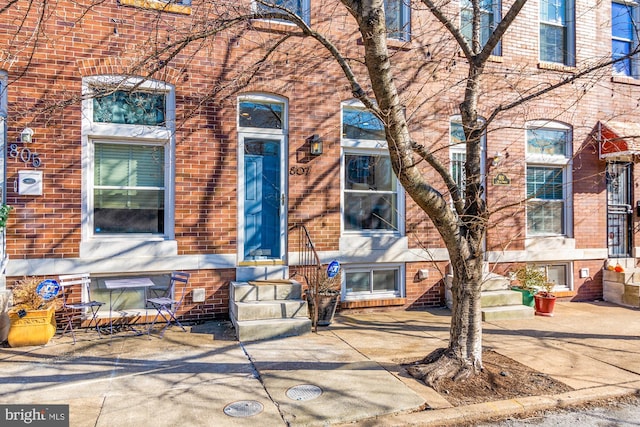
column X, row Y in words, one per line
column 545, row 304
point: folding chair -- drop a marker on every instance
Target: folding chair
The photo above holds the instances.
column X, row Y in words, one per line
column 167, row 306
column 81, row 309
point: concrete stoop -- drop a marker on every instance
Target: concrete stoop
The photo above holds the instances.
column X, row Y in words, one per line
column 499, row 302
column 262, row 310
column 622, row 288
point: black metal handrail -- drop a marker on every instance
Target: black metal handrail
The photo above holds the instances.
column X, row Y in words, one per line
column 309, row 266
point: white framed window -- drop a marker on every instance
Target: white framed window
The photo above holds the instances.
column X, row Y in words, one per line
column 458, row 153
column 490, row 16
column 3, row 93
column 3, row 161
column 624, row 39
column 371, row 197
column 557, row 31
column 302, row 8
column 398, row 19
column 557, row 273
column 548, row 178
column 373, row 282
column 128, row 167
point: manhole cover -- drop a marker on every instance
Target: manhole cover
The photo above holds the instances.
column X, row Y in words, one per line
column 304, row 392
column 243, row 408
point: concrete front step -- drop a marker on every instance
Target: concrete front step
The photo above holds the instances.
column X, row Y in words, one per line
column 254, row 330
column 265, row 291
column 511, row 312
column 500, row 298
column 255, row 310
column 631, row 296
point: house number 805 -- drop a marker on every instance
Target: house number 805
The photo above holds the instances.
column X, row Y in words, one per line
column 299, row 170
column 25, row 155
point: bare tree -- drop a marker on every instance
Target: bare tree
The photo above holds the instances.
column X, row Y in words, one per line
column 462, row 223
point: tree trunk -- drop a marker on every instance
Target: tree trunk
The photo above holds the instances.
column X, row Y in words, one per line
column 463, row 357
column 463, row 230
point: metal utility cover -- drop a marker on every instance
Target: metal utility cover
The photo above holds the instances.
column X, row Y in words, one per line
column 304, row 392
column 243, row 408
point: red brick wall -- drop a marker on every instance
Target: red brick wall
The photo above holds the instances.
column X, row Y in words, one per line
column 48, row 226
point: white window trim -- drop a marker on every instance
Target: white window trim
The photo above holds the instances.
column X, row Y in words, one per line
column 3, row 162
column 306, row 12
column 3, row 93
column 561, row 161
column 110, row 132
column 571, row 34
column 367, row 147
column 369, row 268
column 248, row 132
column 568, row 274
column 635, row 60
column 497, row 17
column 462, row 148
column 261, row 97
column 405, row 31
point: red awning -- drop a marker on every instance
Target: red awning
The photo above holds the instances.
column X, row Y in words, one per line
column 618, row 140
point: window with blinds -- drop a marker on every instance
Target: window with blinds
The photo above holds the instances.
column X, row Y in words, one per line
column 129, row 188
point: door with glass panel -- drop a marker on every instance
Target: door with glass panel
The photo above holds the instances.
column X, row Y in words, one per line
column 261, row 164
column 619, row 209
column 262, row 199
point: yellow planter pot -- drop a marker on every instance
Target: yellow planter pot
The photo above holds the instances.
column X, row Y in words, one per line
column 36, row 328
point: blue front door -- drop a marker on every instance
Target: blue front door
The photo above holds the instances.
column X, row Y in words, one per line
column 262, row 199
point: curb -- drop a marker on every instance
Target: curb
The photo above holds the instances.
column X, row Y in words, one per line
column 464, row 415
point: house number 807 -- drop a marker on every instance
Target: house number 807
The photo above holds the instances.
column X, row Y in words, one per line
column 299, row 170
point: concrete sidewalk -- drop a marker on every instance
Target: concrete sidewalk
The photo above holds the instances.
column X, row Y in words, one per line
column 347, row 373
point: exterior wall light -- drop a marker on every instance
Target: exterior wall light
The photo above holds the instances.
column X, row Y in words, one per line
column 26, row 135
column 496, row 159
column 315, row 145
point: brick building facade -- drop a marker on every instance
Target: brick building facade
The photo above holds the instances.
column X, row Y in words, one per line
column 213, row 171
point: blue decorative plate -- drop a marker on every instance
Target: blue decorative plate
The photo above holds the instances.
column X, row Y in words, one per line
column 48, row 289
column 333, row 269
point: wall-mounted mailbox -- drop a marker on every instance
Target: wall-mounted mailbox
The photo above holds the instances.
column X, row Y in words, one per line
column 30, row 183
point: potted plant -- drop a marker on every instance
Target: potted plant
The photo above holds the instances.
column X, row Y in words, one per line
column 529, row 280
column 545, row 301
column 32, row 316
column 323, row 295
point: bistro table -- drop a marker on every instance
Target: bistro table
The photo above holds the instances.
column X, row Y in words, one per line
column 122, row 285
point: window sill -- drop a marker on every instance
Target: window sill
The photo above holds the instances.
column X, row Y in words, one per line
column 556, row 67
column 127, row 248
column 378, row 302
column 625, row 80
column 158, row 5
column 395, row 44
column 275, row 26
column 492, row 58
